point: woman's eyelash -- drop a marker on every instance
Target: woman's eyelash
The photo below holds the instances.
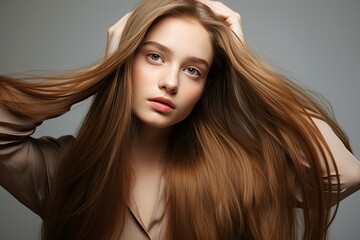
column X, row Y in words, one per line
column 190, row 70
column 193, row 71
column 154, row 57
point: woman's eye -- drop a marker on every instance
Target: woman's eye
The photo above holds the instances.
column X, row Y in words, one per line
column 154, row 57
column 193, row 71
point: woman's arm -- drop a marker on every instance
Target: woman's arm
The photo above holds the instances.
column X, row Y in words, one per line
column 27, row 165
column 348, row 166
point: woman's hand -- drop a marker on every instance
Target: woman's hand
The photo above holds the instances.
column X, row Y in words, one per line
column 231, row 17
column 114, row 35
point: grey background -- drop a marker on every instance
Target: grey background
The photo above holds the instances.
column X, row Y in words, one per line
column 315, row 42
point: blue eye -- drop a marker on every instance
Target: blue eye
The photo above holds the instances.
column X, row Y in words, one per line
column 193, row 71
column 154, row 57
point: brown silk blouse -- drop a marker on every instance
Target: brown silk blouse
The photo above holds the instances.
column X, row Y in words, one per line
column 27, row 167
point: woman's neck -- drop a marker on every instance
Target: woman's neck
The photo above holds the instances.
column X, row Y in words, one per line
column 150, row 147
column 148, row 165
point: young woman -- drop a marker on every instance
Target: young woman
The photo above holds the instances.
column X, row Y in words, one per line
column 189, row 136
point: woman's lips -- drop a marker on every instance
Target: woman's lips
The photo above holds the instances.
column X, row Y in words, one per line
column 162, row 104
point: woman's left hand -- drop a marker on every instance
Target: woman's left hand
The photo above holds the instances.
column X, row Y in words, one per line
column 231, row 17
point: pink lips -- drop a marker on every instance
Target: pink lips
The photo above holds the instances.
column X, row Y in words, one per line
column 162, row 104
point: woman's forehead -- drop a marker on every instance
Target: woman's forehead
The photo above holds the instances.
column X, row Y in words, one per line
column 182, row 35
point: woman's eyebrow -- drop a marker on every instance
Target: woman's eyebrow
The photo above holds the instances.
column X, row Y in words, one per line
column 197, row 60
column 166, row 50
column 161, row 47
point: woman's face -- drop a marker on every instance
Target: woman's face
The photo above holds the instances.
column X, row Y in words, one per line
column 170, row 70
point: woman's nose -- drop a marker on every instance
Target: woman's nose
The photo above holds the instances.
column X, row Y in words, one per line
column 170, row 82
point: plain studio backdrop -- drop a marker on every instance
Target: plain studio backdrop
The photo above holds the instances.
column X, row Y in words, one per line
column 315, row 42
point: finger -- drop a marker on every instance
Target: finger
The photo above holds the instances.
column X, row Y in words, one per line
column 121, row 20
column 231, row 17
column 219, row 8
column 114, row 34
column 121, row 23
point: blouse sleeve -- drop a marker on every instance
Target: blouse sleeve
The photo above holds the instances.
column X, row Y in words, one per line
column 348, row 166
column 27, row 165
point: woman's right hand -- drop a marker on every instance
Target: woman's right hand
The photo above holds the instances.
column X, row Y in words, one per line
column 230, row 16
column 114, row 34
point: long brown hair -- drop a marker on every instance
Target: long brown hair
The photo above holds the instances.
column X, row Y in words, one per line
column 235, row 168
